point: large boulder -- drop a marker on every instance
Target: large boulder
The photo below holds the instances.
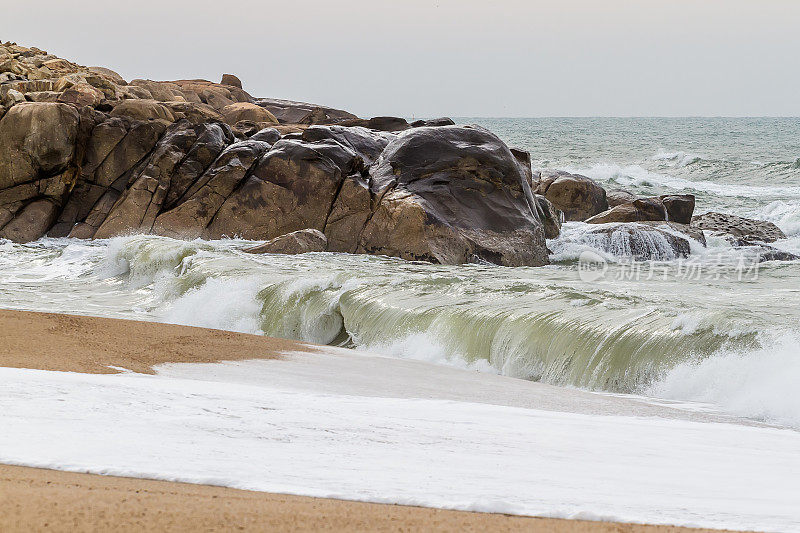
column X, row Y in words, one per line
column 738, row 230
column 37, row 139
column 232, row 80
column 679, row 207
column 180, row 157
column 296, row 242
column 82, row 94
column 31, row 222
column 676, row 208
column 578, row 197
column 239, row 111
column 453, row 195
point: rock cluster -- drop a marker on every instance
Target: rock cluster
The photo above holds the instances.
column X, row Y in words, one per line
column 85, row 154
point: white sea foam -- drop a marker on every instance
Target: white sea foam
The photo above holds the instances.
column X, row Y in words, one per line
column 228, row 304
column 430, row 452
column 760, row 384
column 427, row 348
column 785, row 215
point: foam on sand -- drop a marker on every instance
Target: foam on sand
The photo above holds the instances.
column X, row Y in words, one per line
column 254, row 426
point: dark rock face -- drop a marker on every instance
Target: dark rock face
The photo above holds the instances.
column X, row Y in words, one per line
column 453, row 195
column 679, row 207
column 296, row 242
column 549, row 215
column 442, row 121
column 290, row 112
column 740, row 231
column 387, row 124
column 578, row 197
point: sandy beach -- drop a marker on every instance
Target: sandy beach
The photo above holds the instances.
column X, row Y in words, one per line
column 38, row 499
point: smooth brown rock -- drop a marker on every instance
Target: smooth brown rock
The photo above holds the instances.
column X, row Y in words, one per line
column 124, row 154
column 292, row 187
column 578, row 197
column 108, row 74
column 239, row 111
column 641, row 209
column 387, row 124
column 296, row 242
column 291, row 112
column 230, row 79
column 31, row 222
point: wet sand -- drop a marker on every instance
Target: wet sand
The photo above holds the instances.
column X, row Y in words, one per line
column 34, row 499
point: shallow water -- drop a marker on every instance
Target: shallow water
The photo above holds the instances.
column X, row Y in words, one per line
column 715, row 329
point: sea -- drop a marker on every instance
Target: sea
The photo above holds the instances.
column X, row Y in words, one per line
column 716, row 328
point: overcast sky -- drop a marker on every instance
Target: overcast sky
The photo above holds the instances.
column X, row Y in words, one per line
column 459, row 58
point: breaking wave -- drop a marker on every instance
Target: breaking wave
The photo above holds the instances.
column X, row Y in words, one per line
column 635, row 175
column 759, row 383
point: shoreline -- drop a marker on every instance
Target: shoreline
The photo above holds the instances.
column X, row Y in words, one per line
column 35, row 498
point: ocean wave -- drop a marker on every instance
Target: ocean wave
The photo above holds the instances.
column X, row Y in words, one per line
column 785, row 215
column 678, row 159
column 636, row 175
column 759, row 384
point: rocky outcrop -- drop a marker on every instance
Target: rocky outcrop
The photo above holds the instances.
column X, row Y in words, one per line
column 296, row 242
column 452, row 195
column 738, row 230
column 578, row 197
column 85, row 153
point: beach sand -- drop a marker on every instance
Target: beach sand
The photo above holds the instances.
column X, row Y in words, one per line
column 34, row 499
